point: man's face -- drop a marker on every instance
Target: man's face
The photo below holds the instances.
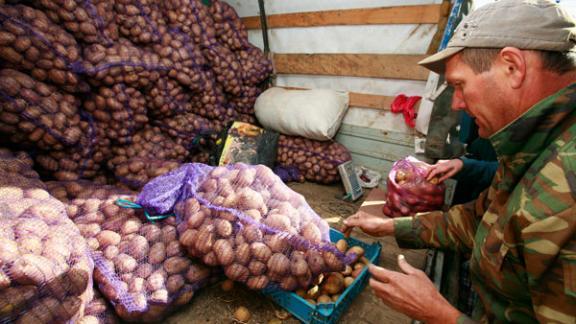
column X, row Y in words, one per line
column 477, row 94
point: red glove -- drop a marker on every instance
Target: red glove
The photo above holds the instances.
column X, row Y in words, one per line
column 405, row 105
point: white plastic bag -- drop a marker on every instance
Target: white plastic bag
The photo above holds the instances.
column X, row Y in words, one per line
column 314, row 114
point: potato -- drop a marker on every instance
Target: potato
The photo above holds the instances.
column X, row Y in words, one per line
column 224, row 253
column 124, row 263
column 157, row 253
column 348, row 281
column 131, row 225
column 106, row 238
column 31, row 269
column 175, row 283
column 289, row 283
column 333, row 262
column 277, row 243
column 156, row 281
column 257, row 282
column 324, row 299
column 144, row 270
column 298, row 265
column 333, row 284
column 237, row 272
column 174, row 248
column 342, row 245
column 278, row 264
column 315, row 261
column 176, row 264
column 137, row 247
column 252, row 233
column 260, row 251
column 197, row 273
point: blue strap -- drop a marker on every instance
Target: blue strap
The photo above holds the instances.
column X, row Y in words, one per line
column 129, row 204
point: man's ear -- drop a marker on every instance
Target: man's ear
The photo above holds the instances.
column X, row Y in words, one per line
column 513, row 63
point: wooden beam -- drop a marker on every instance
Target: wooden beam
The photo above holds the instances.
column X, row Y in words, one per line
column 362, row 100
column 422, row 14
column 435, row 43
column 386, row 66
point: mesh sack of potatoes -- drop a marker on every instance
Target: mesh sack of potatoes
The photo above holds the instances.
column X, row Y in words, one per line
column 29, row 41
column 89, row 21
column 246, row 220
column 136, row 172
column 167, row 98
column 190, row 130
column 212, row 102
column 317, row 160
column 140, row 267
column 83, row 189
column 408, row 191
column 45, row 264
column 85, row 160
column 35, row 114
column 244, row 103
column 193, row 17
column 230, row 30
column 138, row 20
column 16, row 170
column 187, row 59
column 98, row 311
column 225, row 66
column 122, row 63
column 255, row 66
column 120, row 109
column 149, row 143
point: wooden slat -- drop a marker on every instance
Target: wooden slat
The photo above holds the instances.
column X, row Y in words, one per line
column 362, row 100
column 423, row 14
column 437, row 39
column 386, row 66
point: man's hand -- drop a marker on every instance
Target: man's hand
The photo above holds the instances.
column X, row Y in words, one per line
column 411, row 293
column 369, row 224
column 445, row 169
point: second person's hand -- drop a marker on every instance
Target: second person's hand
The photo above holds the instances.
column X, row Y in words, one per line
column 369, row 224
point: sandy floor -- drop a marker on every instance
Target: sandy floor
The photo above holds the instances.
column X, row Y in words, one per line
column 212, row 305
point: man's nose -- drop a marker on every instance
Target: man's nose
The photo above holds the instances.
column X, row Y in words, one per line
column 458, row 103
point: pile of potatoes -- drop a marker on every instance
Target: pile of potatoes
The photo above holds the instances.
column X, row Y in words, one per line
column 327, row 287
column 37, row 114
column 83, row 189
column 29, row 41
column 122, row 63
column 244, row 103
column 212, row 103
column 84, row 160
column 186, row 60
column 138, row 21
column 245, row 219
column 167, row 98
column 16, row 170
column 120, row 109
column 255, row 66
column 89, row 21
column 317, row 161
column 193, row 18
column 45, row 268
column 228, row 27
column 140, row 267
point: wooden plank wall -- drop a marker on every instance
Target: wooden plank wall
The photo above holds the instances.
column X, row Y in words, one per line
column 376, row 149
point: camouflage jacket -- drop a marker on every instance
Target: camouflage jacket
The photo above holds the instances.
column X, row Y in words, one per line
column 520, row 232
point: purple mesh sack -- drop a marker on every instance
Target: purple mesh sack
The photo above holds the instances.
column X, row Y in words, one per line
column 193, row 18
column 98, row 311
column 167, row 98
column 138, row 20
column 246, row 220
column 45, row 264
column 31, row 42
column 140, row 266
column 89, row 21
column 317, row 160
column 16, row 170
column 187, row 60
column 121, row 63
column 256, row 67
column 230, row 30
column 121, row 110
column 35, row 114
column 83, row 161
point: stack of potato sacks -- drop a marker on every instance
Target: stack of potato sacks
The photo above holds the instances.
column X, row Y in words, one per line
column 93, row 86
column 45, row 263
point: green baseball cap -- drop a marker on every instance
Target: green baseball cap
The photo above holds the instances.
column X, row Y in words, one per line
column 524, row 24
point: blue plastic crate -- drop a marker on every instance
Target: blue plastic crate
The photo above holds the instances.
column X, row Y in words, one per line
column 330, row 312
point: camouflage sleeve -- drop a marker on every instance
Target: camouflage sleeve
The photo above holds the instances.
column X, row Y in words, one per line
column 550, row 256
column 454, row 229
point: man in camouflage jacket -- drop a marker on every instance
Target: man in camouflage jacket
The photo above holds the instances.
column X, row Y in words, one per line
column 517, row 80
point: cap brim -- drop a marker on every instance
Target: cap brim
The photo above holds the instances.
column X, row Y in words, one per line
column 437, row 61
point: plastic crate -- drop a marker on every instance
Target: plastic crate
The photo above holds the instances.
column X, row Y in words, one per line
column 329, row 312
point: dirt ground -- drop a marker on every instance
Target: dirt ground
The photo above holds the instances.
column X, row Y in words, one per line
column 212, row 305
